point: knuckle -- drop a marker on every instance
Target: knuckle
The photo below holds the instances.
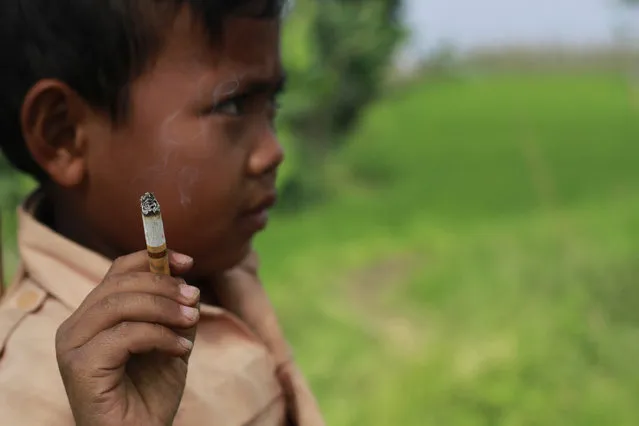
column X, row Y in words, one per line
column 64, row 335
column 161, row 304
column 112, row 279
column 156, row 301
column 110, row 304
column 73, row 361
column 165, row 285
column 61, row 336
column 118, row 262
column 160, row 283
column 123, row 282
column 122, row 328
column 160, row 331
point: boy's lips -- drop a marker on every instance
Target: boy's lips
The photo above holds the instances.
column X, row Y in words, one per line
column 256, row 217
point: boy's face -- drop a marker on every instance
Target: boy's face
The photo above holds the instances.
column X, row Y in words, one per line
column 200, row 135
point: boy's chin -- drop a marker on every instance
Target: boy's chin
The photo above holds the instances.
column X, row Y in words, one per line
column 209, row 265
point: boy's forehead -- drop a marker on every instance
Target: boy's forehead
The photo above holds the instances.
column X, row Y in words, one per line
column 247, row 46
column 251, row 41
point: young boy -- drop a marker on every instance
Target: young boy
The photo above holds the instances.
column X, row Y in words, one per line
column 102, row 101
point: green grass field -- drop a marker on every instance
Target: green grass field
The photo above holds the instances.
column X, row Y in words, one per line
column 478, row 263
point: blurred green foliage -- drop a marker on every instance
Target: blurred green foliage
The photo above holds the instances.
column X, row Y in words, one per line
column 12, row 185
column 337, row 54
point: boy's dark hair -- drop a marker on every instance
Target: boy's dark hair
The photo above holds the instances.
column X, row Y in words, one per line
column 97, row 47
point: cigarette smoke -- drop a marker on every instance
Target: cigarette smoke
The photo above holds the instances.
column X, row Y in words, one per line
column 169, row 143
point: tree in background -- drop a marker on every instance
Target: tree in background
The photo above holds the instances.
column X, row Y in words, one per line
column 628, row 29
column 337, row 53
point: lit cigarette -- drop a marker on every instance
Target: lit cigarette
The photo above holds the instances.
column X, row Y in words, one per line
column 154, row 234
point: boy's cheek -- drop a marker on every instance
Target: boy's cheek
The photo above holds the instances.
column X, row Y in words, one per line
column 191, row 135
column 186, row 180
column 178, row 160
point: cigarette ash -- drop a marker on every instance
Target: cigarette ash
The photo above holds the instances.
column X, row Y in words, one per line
column 149, row 204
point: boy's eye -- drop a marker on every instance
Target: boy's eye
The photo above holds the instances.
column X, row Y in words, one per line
column 241, row 105
column 230, row 107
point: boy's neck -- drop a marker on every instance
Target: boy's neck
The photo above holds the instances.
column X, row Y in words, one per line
column 57, row 212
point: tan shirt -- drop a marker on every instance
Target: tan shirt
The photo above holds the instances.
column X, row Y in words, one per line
column 233, row 373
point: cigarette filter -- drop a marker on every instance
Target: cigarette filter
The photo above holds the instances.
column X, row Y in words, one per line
column 154, row 234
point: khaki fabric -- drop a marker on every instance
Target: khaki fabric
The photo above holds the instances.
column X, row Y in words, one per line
column 240, row 371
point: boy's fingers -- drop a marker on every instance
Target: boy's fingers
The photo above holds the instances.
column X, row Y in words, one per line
column 139, row 282
column 180, row 263
column 115, row 345
column 139, row 262
column 130, row 307
column 134, row 262
column 188, row 334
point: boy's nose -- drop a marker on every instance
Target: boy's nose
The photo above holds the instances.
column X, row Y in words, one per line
column 267, row 155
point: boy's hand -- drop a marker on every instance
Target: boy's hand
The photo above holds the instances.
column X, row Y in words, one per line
column 123, row 353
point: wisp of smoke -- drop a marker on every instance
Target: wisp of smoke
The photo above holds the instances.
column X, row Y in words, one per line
column 169, row 143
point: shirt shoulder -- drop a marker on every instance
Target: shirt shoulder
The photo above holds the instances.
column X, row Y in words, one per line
column 31, row 390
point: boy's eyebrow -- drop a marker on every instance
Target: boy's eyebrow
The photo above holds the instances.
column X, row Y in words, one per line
column 250, row 85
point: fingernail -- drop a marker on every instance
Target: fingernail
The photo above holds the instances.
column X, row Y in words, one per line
column 185, row 343
column 182, row 259
column 190, row 313
column 188, row 291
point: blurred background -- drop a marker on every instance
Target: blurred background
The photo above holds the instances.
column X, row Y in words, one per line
column 458, row 238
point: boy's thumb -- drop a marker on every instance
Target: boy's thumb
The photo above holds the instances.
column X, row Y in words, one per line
column 180, row 263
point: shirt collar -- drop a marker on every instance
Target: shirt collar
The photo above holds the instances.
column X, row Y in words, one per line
column 64, row 268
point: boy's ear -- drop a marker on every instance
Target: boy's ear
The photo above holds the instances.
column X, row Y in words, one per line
column 52, row 119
